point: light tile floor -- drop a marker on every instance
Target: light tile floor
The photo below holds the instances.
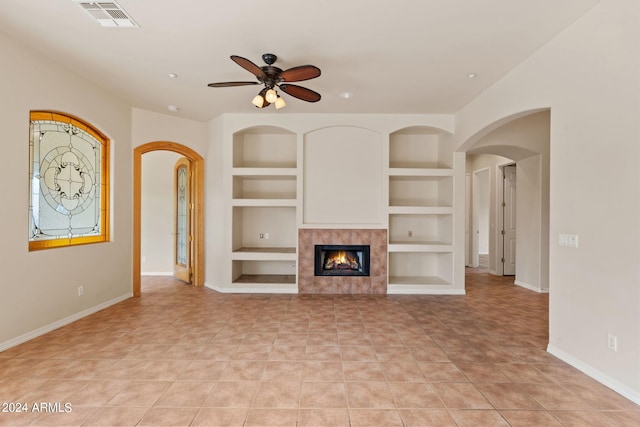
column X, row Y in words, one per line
column 181, row 355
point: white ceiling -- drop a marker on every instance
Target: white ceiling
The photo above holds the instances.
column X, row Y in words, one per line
column 400, row 56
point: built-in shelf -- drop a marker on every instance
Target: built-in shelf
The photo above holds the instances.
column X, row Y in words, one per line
column 260, row 271
column 265, row 254
column 417, row 264
column 419, row 148
column 420, row 247
column 264, row 200
column 266, row 250
column 264, row 182
column 271, row 279
column 413, row 281
column 264, row 187
column 416, row 172
column 264, row 172
column 420, row 211
column 420, row 230
column 264, row 147
column 421, row 191
column 413, row 210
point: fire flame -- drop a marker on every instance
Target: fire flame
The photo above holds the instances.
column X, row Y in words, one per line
column 342, row 259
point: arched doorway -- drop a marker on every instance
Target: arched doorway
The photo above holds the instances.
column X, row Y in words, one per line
column 521, row 139
column 198, row 199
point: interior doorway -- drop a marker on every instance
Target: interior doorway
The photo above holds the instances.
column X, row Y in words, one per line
column 197, row 179
column 481, row 212
column 521, row 139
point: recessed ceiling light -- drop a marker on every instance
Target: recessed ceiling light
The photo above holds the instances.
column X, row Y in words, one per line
column 173, row 75
column 172, row 108
column 472, row 75
column 346, row 95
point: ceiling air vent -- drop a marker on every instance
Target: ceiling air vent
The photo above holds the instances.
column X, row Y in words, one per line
column 108, row 14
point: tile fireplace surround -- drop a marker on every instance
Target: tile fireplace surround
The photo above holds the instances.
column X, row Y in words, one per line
column 375, row 283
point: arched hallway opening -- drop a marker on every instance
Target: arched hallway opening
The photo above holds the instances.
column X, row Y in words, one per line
column 197, row 180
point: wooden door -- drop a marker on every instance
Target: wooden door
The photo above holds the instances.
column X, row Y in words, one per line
column 509, row 221
column 183, row 235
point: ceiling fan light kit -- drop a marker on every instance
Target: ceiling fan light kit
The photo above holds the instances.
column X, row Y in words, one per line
column 258, row 101
column 271, row 96
column 273, row 77
column 280, row 103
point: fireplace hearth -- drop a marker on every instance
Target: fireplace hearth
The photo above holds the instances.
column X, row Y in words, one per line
column 342, row 260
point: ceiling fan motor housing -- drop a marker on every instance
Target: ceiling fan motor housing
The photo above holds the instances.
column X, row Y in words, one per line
column 271, row 77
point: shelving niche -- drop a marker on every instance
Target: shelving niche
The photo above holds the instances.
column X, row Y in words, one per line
column 264, row 177
column 420, row 211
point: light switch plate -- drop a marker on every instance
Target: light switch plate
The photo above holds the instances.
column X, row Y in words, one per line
column 569, row 240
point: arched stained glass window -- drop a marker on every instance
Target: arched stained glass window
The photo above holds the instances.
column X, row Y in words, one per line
column 68, row 181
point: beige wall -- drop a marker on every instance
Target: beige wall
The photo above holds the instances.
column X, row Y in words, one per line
column 39, row 289
column 151, row 127
column 588, row 77
column 343, row 176
column 158, row 212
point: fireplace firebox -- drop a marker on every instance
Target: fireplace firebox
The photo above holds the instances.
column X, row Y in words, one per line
column 342, row 260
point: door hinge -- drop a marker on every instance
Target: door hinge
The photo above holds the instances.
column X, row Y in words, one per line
column 502, row 260
column 502, row 232
column 504, row 204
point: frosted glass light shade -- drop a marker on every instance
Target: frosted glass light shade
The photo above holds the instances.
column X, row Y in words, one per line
column 271, row 96
column 280, row 103
column 258, row 101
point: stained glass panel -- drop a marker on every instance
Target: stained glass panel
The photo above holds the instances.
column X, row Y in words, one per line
column 68, row 197
column 182, row 212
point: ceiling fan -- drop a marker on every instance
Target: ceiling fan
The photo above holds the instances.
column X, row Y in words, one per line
column 273, row 77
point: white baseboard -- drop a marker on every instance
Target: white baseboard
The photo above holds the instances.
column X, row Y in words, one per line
column 254, row 289
column 613, row 384
column 159, row 273
column 62, row 322
column 293, row 289
column 531, row 287
column 421, row 290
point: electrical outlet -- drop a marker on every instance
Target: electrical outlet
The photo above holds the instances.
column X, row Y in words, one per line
column 410, row 233
column 266, row 235
column 80, row 291
column 612, row 342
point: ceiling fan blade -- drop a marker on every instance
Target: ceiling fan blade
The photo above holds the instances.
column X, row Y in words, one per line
column 301, row 92
column 298, row 74
column 249, row 66
column 231, row 84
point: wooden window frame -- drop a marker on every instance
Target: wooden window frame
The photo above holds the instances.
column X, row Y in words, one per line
column 104, row 235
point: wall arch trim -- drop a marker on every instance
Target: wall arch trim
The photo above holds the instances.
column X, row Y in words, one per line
column 197, row 162
column 472, row 140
